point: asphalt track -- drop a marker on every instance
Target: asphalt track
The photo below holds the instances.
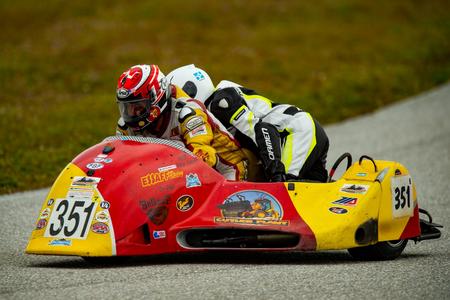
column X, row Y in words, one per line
column 415, row 132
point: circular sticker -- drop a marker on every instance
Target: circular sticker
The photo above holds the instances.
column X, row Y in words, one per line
column 105, row 205
column 102, row 216
column 185, row 203
column 94, row 166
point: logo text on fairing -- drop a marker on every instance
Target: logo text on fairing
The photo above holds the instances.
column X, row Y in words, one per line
column 159, row 177
column 268, row 143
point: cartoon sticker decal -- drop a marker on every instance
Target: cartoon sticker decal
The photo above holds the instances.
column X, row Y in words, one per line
column 355, row 188
column 338, row 210
column 185, row 203
column 192, row 180
column 347, row 201
column 251, row 207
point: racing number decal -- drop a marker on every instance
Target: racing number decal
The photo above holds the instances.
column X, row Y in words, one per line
column 402, row 199
column 402, row 202
column 71, row 219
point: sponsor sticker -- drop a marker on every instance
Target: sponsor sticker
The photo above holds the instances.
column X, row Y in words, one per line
column 167, row 168
column 192, row 180
column 102, row 216
column 80, row 193
column 361, row 174
column 45, row 213
column 159, row 177
column 94, row 166
column 338, row 210
column 156, row 209
column 347, row 201
column 194, row 122
column 100, row 228
column 198, row 131
column 185, row 203
column 60, row 242
column 102, row 155
column 354, row 188
column 159, row 234
column 41, row 224
column 252, row 207
column 50, row 202
column 105, row 204
column 199, row 76
column 85, row 181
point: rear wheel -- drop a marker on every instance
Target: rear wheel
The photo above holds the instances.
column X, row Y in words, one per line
column 380, row 251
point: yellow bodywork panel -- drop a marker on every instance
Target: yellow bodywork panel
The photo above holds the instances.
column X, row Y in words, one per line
column 334, row 212
column 74, row 218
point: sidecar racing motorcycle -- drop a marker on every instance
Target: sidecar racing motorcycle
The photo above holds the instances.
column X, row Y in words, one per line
column 129, row 196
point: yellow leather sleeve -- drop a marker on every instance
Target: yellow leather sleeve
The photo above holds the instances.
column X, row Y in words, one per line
column 198, row 136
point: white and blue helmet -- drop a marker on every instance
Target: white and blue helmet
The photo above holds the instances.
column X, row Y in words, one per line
column 194, row 81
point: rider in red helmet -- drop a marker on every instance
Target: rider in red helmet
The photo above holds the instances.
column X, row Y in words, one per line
column 151, row 107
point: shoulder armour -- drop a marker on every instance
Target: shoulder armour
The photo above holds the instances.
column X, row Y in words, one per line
column 185, row 113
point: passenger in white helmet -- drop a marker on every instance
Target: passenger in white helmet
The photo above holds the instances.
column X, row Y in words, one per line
column 289, row 141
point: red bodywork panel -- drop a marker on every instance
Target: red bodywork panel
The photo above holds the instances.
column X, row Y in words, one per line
column 156, row 191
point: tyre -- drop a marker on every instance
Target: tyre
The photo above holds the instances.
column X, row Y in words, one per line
column 379, row 251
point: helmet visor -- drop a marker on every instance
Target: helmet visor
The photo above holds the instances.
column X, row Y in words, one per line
column 135, row 110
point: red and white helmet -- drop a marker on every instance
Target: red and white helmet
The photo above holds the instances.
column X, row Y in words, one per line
column 194, row 81
column 142, row 94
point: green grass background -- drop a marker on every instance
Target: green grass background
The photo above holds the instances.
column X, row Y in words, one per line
column 60, row 61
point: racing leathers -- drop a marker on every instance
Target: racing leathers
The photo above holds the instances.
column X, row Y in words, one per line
column 201, row 132
column 290, row 143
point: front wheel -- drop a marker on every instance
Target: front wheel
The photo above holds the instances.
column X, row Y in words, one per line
column 379, row 251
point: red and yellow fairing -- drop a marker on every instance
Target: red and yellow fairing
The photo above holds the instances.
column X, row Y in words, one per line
column 95, row 244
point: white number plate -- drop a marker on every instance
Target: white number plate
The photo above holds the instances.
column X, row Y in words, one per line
column 71, row 218
column 402, row 198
